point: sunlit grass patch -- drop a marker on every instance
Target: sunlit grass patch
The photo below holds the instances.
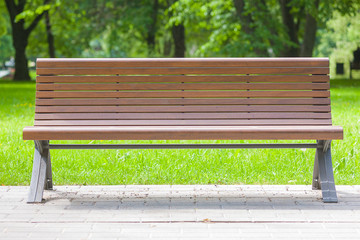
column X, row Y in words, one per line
column 193, row 166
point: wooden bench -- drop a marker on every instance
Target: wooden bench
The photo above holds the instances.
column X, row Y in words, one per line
column 183, row 99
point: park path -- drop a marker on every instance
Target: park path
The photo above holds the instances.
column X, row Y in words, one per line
column 180, row 212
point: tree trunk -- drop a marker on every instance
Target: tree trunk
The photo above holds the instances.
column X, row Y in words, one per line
column 308, row 44
column 50, row 36
column 20, row 36
column 247, row 22
column 150, row 37
column 291, row 28
column 178, row 33
column 167, row 45
column 21, row 63
column 20, row 41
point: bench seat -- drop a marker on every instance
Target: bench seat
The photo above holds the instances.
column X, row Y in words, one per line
column 183, row 133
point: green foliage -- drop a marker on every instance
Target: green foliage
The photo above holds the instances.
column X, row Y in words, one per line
column 30, row 14
column 3, row 27
column 340, row 38
column 6, row 48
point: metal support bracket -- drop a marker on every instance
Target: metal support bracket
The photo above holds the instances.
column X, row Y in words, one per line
column 180, row 146
column 41, row 174
column 323, row 176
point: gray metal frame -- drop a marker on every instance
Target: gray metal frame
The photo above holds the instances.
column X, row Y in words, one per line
column 41, row 174
column 180, row 146
column 41, row 179
column 323, row 176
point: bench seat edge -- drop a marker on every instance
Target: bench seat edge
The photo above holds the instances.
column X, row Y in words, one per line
column 183, row 133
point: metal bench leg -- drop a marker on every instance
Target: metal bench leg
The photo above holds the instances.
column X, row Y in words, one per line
column 41, row 172
column 316, row 173
column 48, row 183
column 323, row 177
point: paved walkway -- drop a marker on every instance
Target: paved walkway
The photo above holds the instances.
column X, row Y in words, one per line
column 180, row 212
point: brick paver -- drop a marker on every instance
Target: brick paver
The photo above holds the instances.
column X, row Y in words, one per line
column 180, row 212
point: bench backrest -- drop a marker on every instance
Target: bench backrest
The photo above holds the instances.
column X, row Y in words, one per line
column 158, row 91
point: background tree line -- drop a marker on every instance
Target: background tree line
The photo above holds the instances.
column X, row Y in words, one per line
column 167, row 28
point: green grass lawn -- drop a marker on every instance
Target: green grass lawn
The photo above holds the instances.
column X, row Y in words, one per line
column 248, row 166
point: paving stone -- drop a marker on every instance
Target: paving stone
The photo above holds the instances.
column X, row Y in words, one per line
column 333, row 226
column 98, row 238
column 197, row 234
column 28, row 228
column 121, row 235
column 14, row 238
column 4, row 188
column 124, row 218
column 70, row 238
column 167, row 235
column 182, row 217
column 295, row 225
column 19, row 234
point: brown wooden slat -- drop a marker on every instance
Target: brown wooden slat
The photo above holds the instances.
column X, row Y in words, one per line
column 167, row 122
column 182, row 101
column 190, row 70
column 185, row 86
column 222, row 115
column 183, row 133
column 185, row 62
column 182, row 78
column 212, row 108
column 187, row 94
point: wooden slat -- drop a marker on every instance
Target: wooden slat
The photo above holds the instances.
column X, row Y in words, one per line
column 182, row 62
column 169, row 122
column 182, row 101
column 182, row 78
column 212, row 108
column 187, row 94
column 183, row 133
column 220, row 115
column 185, row 86
column 189, row 70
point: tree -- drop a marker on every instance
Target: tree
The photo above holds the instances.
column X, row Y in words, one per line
column 151, row 26
column 177, row 28
column 20, row 35
column 268, row 27
column 50, row 35
column 178, row 34
column 301, row 20
column 338, row 41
